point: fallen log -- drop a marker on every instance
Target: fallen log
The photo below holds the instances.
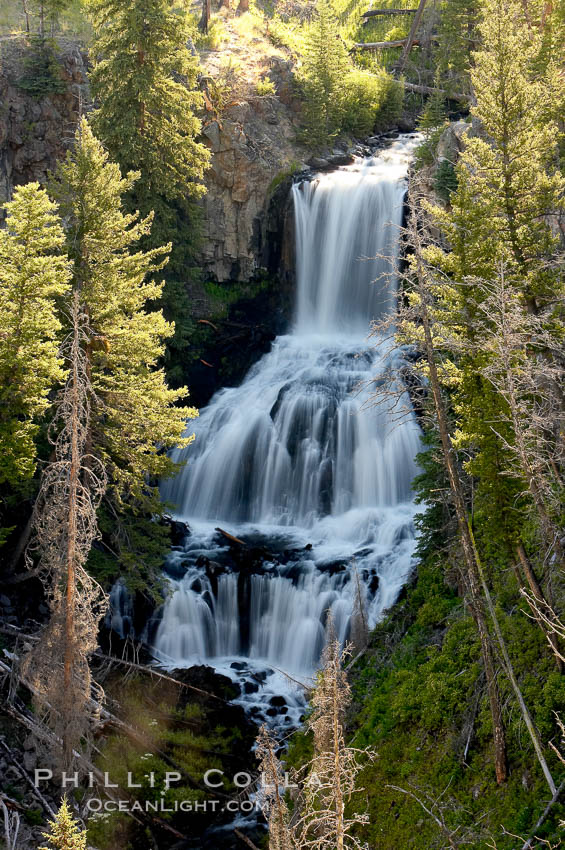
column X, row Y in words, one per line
column 206, row 322
column 112, row 659
column 230, row 537
column 155, row 673
column 374, row 12
column 430, row 90
column 381, row 45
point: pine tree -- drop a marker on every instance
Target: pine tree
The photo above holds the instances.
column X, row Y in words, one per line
column 145, row 83
column 42, row 71
column 507, row 177
column 64, row 831
column 33, row 274
column 422, row 314
column 458, row 39
column 434, row 114
column 507, row 187
column 135, row 416
column 47, row 12
column 325, row 65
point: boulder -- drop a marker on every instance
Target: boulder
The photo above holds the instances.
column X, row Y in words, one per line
column 207, row 680
column 451, row 141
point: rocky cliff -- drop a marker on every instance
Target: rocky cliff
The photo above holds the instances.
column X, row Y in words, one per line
column 253, row 144
column 35, row 131
column 252, row 138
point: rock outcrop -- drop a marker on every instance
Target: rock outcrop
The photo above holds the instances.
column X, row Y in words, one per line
column 252, row 143
column 35, row 132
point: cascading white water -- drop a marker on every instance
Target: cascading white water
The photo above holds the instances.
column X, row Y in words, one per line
column 293, row 458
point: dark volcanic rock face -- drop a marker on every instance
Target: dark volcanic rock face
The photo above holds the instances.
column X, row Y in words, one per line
column 35, row 132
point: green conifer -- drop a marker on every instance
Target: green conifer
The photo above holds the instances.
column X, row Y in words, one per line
column 434, row 114
column 507, row 186
column 458, row 38
column 325, row 66
column 145, row 83
column 135, row 417
column 64, row 831
column 33, row 274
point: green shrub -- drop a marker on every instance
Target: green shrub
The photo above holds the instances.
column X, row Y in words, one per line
column 292, row 168
column 445, row 180
column 214, row 38
column 425, row 154
column 364, row 94
column 371, row 102
column 392, row 104
column 325, row 65
column 265, row 87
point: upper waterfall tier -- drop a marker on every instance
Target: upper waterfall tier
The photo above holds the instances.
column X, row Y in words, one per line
column 347, row 229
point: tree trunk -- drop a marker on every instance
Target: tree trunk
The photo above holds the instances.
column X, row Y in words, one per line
column 71, row 555
column 206, row 13
column 21, row 546
column 538, row 594
column 374, row 12
column 382, row 45
column 411, row 36
column 243, row 7
column 141, row 62
column 431, row 90
column 471, row 579
column 26, row 13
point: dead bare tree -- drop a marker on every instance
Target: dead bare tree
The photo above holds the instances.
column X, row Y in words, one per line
column 330, row 777
column 11, row 825
column 553, row 627
column 64, row 528
column 273, row 804
column 437, row 807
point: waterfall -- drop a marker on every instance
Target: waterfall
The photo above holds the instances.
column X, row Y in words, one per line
column 296, row 458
